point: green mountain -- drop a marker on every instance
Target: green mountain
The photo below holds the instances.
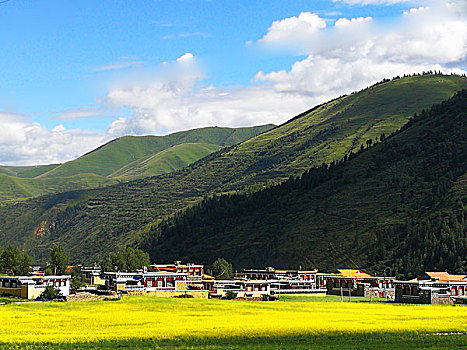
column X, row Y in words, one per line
column 400, row 206
column 26, row 171
column 122, row 159
column 91, row 222
column 166, row 161
column 120, row 152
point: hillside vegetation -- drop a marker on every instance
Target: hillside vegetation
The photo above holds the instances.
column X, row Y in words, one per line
column 401, row 204
column 166, row 161
column 91, row 222
column 122, row 159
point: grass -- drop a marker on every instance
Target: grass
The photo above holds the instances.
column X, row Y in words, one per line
column 158, row 322
column 166, row 161
column 303, row 341
column 7, row 300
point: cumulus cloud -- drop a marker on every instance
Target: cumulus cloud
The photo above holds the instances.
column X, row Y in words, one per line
column 416, row 9
column 342, row 57
column 356, row 52
column 339, row 57
column 335, row 76
column 299, row 28
column 345, row 21
column 25, row 142
column 178, row 104
column 185, row 57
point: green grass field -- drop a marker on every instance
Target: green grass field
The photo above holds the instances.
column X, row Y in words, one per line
column 291, row 323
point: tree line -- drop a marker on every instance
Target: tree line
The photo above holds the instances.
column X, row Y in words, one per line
column 13, row 261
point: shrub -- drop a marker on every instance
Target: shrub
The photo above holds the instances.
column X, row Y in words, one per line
column 230, row 295
column 50, row 293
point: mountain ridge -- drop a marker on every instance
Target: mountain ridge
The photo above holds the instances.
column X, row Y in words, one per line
column 94, row 169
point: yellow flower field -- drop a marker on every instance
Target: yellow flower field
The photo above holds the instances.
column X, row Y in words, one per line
column 146, row 317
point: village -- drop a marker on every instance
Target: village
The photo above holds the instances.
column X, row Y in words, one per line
column 190, row 281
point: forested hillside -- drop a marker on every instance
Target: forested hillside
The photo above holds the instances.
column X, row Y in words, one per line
column 91, row 222
column 398, row 207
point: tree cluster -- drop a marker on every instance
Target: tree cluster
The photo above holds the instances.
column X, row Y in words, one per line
column 14, row 262
column 129, row 259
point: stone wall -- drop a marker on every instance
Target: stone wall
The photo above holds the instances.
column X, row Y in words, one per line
column 85, row 296
column 197, row 294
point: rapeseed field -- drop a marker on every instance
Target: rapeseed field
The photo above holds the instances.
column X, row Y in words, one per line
column 161, row 319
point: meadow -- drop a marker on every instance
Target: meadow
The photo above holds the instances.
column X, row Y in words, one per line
column 145, row 322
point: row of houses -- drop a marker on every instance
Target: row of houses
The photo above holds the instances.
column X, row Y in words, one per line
column 189, row 279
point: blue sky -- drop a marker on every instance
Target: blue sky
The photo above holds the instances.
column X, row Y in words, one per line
column 75, row 74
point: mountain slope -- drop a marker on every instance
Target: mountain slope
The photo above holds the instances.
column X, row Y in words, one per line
column 116, row 154
column 114, row 161
column 92, row 222
column 401, row 204
column 26, row 171
column 166, row 161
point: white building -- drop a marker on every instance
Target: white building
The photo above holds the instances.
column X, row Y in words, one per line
column 31, row 287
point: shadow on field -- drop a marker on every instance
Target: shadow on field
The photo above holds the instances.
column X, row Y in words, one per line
column 322, row 341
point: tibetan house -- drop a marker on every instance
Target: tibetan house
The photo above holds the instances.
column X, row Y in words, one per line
column 432, row 288
column 356, row 282
column 242, row 288
column 146, row 282
column 31, row 287
column 284, row 281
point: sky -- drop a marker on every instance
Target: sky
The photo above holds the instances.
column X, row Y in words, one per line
column 77, row 74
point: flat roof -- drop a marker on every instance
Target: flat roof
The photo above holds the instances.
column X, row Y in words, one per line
column 36, row 277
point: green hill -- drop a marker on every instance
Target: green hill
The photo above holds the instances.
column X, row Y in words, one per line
column 400, row 204
column 166, row 161
column 118, row 153
column 91, row 222
column 26, row 171
column 125, row 158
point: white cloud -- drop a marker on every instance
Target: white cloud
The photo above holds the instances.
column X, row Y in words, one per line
column 350, row 55
column 297, row 29
column 416, row 9
column 335, row 76
column 179, row 105
column 27, row 143
column 339, row 58
column 345, row 21
column 185, row 57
